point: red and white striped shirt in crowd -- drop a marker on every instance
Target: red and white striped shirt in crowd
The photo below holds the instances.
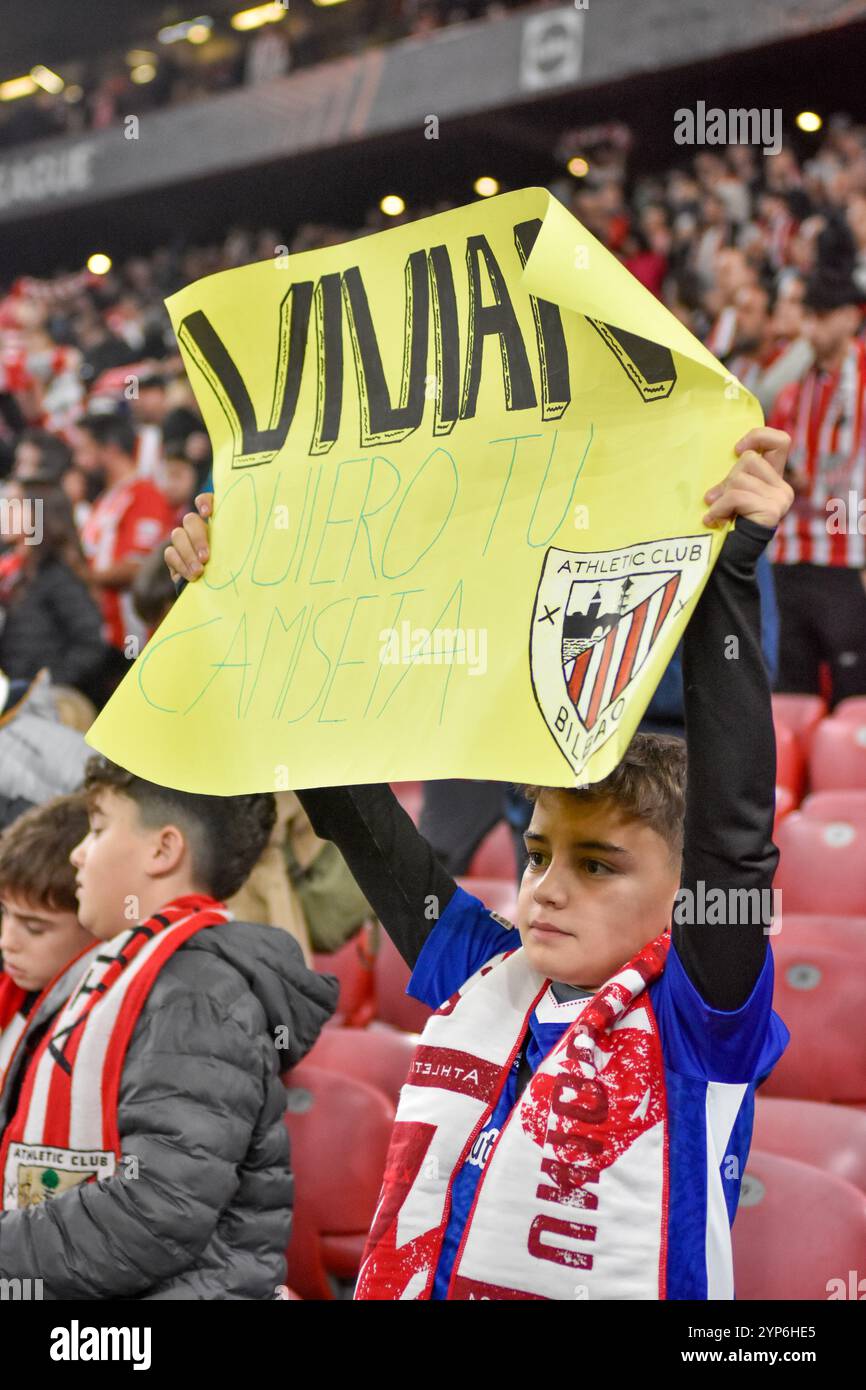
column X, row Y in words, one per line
column 825, row 415
column 127, row 520
column 749, row 367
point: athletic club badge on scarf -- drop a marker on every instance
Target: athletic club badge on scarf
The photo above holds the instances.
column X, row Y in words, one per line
column 573, row 1193
column 65, row 1129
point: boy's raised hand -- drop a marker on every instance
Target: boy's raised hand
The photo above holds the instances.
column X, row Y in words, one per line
column 188, row 553
column 755, row 488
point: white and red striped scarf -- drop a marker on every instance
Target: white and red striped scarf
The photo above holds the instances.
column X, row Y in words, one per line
column 65, row 1128
column 573, row 1195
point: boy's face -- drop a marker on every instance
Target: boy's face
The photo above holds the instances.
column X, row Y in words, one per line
column 37, row 942
column 111, row 861
column 597, row 888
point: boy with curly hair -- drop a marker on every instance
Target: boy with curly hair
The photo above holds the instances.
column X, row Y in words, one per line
column 145, row 1154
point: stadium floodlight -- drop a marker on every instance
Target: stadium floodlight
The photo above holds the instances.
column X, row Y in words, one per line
column 809, row 121
column 99, row 263
column 257, row 16
column 144, row 73
column 176, row 33
column 46, row 79
column 485, row 186
column 17, row 87
column 578, row 167
column 392, row 205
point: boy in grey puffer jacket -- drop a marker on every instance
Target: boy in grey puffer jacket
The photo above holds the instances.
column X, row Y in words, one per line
column 190, row 1018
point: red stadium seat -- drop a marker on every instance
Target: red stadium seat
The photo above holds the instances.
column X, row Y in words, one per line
column 822, row 865
column 852, row 710
column 835, row 806
column 379, row 1056
column 820, row 995
column 800, row 931
column 494, row 857
column 393, row 1004
column 830, row 1137
column 785, row 803
column 339, row 1129
column 410, row 796
column 797, row 1228
column 496, row 893
column 837, row 757
column 353, row 967
column 801, row 714
column 790, row 761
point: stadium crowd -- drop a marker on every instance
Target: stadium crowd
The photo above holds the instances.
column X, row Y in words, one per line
column 100, row 90
column 102, row 451
column 763, row 258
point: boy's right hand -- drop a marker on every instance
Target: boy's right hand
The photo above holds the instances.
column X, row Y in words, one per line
column 188, row 553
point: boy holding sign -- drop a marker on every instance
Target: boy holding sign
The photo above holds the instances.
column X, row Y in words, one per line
column 577, row 1117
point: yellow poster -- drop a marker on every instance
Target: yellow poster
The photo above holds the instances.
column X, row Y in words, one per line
column 459, row 476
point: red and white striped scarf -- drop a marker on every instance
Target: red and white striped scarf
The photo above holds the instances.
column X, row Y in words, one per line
column 582, row 1155
column 65, row 1128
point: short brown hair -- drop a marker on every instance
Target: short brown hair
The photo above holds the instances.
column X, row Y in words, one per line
column 35, row 850
column 226, row 834
column 649, row 784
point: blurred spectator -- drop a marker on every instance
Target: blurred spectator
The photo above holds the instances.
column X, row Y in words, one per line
column 153, row 591
column 755, row 346
column 647, row 265
column 39, row 756
column 81, row 488
column 819, row 568
column 124, row 525
column 149, row 406
column 48, row 616
column 180, row 480
column 39, row 454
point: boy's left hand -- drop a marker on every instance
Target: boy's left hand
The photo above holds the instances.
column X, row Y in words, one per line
column 755, row 487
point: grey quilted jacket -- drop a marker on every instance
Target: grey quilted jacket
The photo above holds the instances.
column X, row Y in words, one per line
column 201, row 1206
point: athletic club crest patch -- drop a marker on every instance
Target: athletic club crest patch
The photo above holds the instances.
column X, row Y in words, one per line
column 597, row 618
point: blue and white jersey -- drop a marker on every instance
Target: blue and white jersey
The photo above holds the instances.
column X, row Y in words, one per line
column 713, row 1061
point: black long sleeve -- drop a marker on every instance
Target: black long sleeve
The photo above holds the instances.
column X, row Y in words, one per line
column 730, row 796
column 392, row 863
